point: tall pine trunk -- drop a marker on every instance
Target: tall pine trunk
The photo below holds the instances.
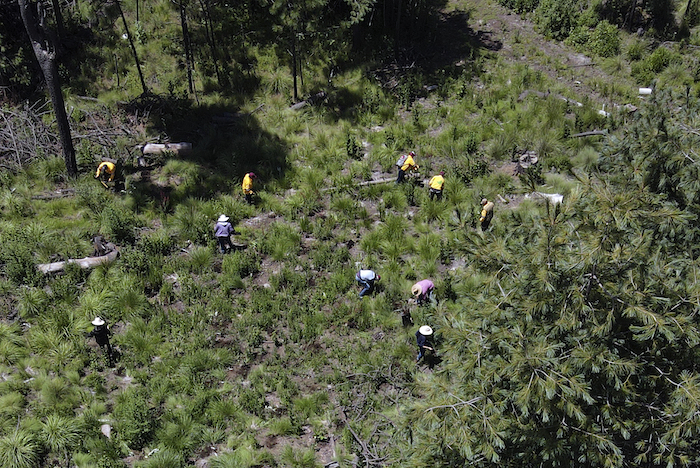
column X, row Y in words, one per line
column 133, row 47
column 46, row 56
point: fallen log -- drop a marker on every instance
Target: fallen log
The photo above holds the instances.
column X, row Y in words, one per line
column 61, row 193
column 87, row 262
column 312, row 100
column 527, row 92
column 159, row 148
column 591, row 133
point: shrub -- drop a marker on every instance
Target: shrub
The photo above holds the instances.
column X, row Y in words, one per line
column 636, row 50
column 520, row 6
column 468, row 168
column 19, row 449
column 557, row 18
column 134, row 418
column 605, row 40
column 646, row 70
column 119, row 224
column 252, row 400
column 19, row 264
column 242, row 263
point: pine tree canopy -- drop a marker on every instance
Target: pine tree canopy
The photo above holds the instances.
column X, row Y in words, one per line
column 575, row 341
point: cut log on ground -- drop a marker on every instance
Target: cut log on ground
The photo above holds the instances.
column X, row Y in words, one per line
column 591, row 133
column 57, row 194
column 527, row 92
column 87, row 262
column 159, row 148
column 312, row 100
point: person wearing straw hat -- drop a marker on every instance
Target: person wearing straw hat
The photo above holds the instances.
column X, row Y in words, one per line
column 366, row 278
column 486, row 214
column 247, row 187
column 423, row 291
column 101, row 334
column 422, row 339
column 223, row 231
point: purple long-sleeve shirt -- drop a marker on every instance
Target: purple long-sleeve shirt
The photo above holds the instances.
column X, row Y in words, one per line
column 223, row 229
column 425, row 286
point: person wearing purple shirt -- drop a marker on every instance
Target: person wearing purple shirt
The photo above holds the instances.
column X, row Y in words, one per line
column 423, row 290
column 223, row 231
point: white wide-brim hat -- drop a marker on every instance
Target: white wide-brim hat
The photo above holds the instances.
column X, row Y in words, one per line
column 223, row 218
column 98, row 321
column 425, row 330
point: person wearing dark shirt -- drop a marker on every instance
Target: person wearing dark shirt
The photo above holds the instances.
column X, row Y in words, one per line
column 423, row 340
column 101, row 334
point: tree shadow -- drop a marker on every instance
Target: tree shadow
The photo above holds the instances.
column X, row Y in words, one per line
column 226, row 144
column 449, row 49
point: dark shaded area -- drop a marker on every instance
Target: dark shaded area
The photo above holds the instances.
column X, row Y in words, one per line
column 19, row 70
column 226, row 145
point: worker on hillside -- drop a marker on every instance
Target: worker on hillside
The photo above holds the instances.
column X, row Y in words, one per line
column 423, row 340
column 424, row 291
column 408, row 164
column 101, row 334
column 106, row 172
column 248, row 187
column 437, row 183
column 366, row 278
column 223, row 231
column 486, row 214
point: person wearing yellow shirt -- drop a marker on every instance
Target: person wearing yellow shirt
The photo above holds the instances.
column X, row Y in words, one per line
column 486, row 214
column 408, row 164
column 248, row 187
column 106, row 172
column 437, row 183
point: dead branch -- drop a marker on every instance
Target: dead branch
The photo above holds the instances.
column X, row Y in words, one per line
column 87, row 262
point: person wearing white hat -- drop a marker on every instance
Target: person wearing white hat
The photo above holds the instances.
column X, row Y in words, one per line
column 101, row 333
column 422, row 340
column 223, row 231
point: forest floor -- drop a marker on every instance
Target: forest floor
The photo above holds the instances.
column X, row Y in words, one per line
column 504, row 37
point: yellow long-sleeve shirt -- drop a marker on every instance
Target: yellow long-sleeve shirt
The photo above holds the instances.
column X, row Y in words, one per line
column 409, row 163
column 247, row 184
column 486, row 212
column 437, row 182
column 109, row 168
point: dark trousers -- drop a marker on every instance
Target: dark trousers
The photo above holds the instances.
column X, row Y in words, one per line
column 224, row 243
column 435, row 193
column 367, row 287
column 401, row 177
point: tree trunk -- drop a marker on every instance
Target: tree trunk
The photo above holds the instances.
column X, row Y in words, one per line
column 209, row 30
column 60, row 28
column 133, row 48
column 397, row 33
column 46, row 56
column 294, row 65
column 186, row 44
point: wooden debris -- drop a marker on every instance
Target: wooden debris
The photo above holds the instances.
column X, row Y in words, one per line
column 87, row 262
column 312, row 100
column 159, row 148
column 591, row 133
column 61, row 193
